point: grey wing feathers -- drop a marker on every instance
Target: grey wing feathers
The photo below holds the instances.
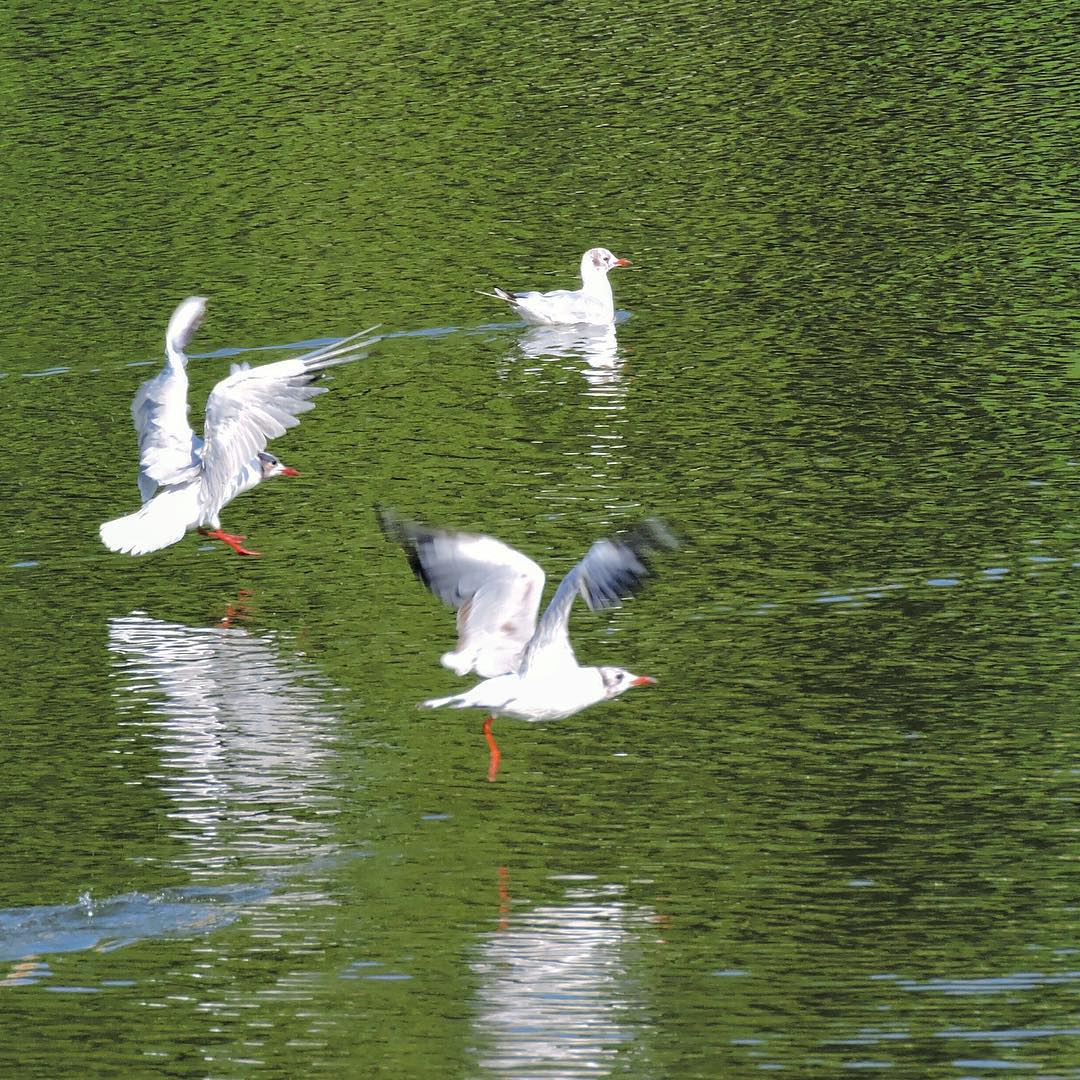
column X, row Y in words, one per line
column 434, row 557
column 621, row 565
column 611, row 571
column 494, row 588
column 454, row 565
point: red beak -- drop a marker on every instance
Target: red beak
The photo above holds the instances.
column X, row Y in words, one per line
column 623, row 262
column 643, row 680
column 290, row 471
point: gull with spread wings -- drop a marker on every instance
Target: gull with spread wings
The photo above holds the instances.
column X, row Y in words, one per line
column 185, row 481
column 529, row 668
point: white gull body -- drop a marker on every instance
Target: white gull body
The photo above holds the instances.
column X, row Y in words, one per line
column 532, row 672
column 592, row 304
column 186, row 481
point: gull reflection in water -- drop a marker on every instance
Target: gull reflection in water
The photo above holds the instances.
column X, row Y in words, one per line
column 596, row 345
column 555, row 997
column 598, row 448
column 244, row 736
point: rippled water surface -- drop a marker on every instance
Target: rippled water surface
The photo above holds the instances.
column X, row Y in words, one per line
column 839, row 835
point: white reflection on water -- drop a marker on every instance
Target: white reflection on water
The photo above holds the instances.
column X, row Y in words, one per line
column 555, row 998
column 597, row 447
column 596, row 345
column 243, row 734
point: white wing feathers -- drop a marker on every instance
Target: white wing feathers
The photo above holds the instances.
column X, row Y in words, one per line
column 168, row 448
column 183, row 325
column 254, row 405
column 499, row 294
column 495, row 590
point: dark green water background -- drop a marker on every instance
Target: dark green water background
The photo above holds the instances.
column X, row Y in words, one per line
column 840, row 834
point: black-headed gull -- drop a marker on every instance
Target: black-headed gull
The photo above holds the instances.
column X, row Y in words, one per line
column 529, row 668
column 592, row 303
column 185, row 481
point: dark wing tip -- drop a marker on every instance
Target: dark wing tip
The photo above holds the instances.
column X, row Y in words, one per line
column 391, row 525
column 621, row 565
column 410, row 536
column 652, row 534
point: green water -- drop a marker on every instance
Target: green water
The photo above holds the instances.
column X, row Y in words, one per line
column 839, row 835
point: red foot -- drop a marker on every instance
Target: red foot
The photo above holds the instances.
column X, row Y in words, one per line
column 493, row 761
column 230, row 539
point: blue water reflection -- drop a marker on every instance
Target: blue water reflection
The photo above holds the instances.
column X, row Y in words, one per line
column 114, row 921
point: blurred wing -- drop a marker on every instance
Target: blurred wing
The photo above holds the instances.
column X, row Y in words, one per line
column 493, row 587
column 611, row 571
column 168, row 447
column 254, row 405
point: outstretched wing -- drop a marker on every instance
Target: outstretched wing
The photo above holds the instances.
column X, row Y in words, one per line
column 493, row 587
column 168, row 447
column 610, row 571
column 254, row 405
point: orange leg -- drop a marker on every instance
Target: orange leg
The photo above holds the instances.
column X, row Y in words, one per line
column 493, row 761
column 236, row 611
column 228, row 538
column 504, row 897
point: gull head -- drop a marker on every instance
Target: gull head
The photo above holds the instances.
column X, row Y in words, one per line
column 271, row 466
column 617, row 679
column 600, row 261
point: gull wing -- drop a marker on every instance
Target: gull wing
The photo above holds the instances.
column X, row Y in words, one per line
column 494, row 588
column 168, row 448
column 610, row 571
column 254, row 405
column 564, row 307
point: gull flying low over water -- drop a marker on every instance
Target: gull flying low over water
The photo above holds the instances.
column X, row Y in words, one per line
column 592, row 303
column 186, row 481
column 529, row 668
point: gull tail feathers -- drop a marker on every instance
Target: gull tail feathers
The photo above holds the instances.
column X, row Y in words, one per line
column 155, row 526
column 455, row 701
